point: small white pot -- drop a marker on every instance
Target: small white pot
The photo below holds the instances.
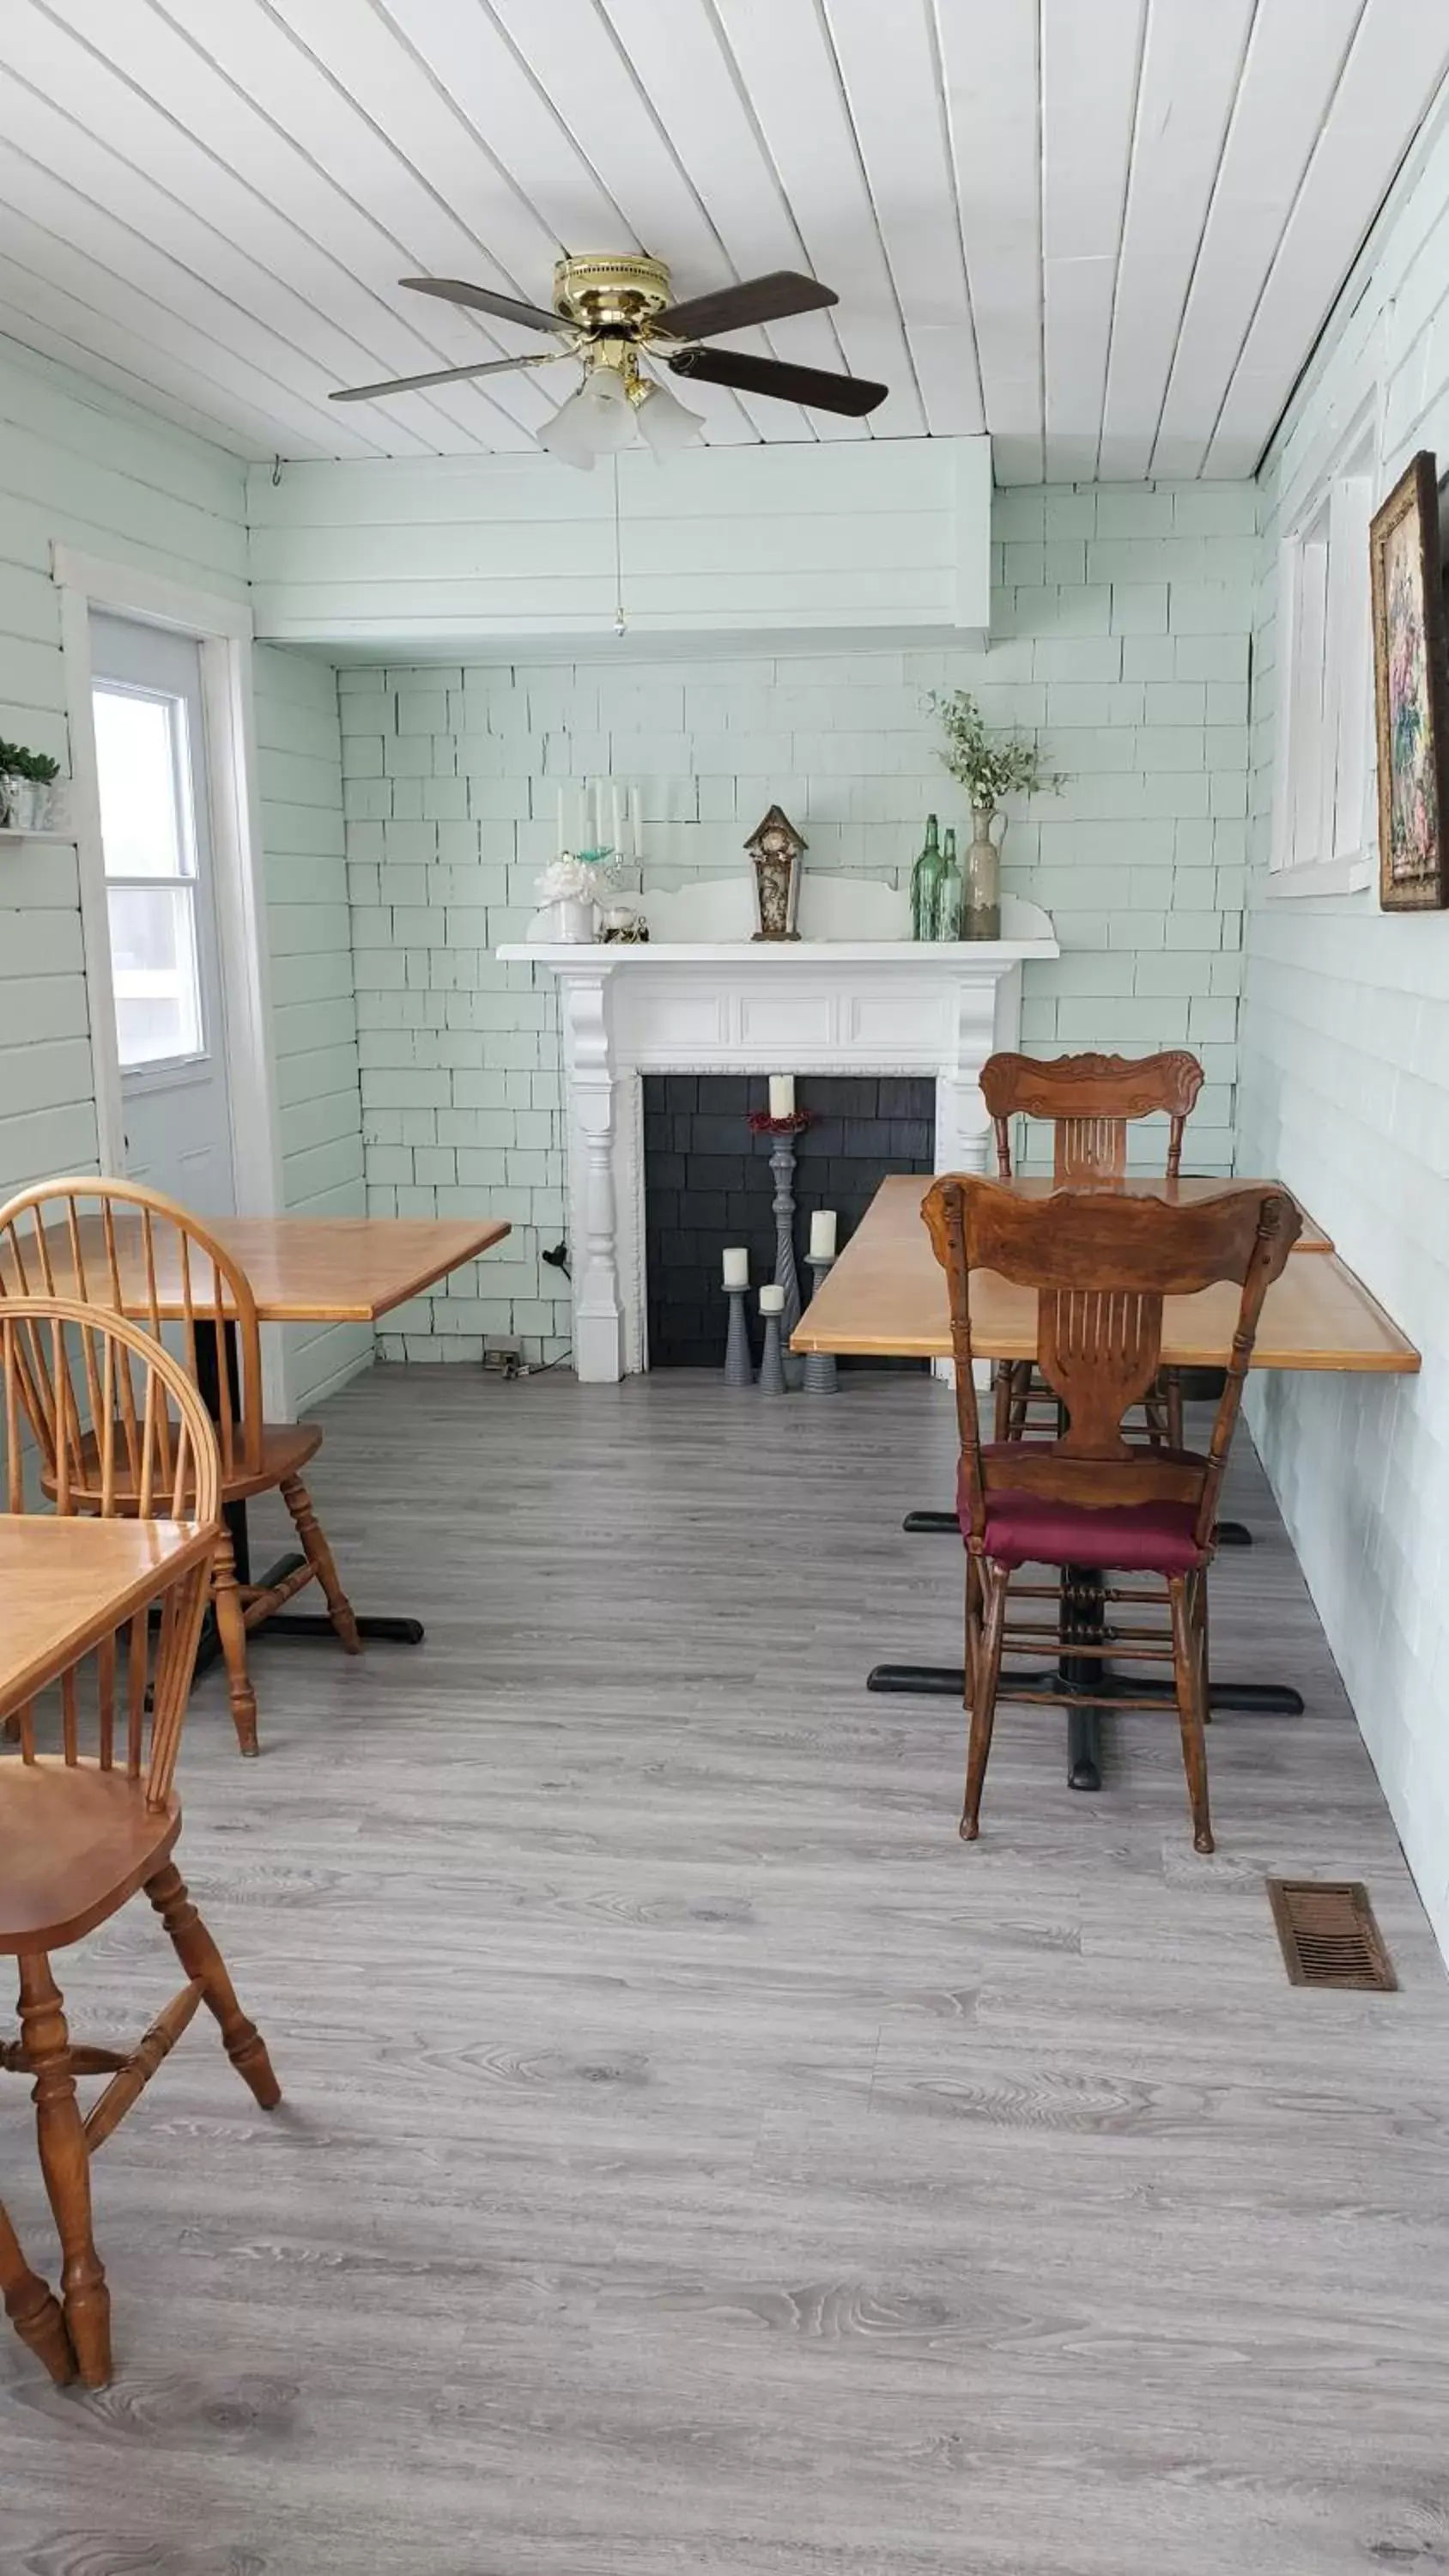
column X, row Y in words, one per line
column 573, row 923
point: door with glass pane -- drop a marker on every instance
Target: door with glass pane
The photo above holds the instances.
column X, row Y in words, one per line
column 160, row 896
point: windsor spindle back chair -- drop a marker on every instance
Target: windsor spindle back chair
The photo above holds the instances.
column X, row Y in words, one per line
column 127, row 1248
column 104, row 1599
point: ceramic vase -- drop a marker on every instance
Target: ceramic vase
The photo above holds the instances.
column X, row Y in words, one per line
column 573, row 922
column 982, row 907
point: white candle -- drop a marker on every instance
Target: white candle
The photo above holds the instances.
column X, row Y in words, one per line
column 782, row 1095
column 822, row 1235
column 737, row 1266
column 636, row 824
column 559, row 842
column 616, row 841
column 772, row 1301
column 596, row 829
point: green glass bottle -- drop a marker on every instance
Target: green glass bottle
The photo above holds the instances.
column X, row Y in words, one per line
column 926, row 884
column 949, row 891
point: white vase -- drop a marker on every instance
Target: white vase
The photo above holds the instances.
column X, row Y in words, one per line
column 572, row 925
column 19, row 803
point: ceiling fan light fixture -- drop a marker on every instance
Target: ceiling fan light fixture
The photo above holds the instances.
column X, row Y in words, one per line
column 595, row 421
column 665, row 424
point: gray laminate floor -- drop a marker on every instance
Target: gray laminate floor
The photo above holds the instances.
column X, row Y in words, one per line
column 694, row 2158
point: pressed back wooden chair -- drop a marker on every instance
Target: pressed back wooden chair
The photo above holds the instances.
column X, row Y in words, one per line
column 122, row 1246
column 86, row 1826
column 1091, row 1101
column 1089, row 1497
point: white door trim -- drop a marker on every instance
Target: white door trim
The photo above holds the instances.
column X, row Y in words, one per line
column 223, row 630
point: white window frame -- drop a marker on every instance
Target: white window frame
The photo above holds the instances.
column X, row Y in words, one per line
column 1327, row 843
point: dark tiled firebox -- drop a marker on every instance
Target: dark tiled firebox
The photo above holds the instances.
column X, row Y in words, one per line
column 708, row 1183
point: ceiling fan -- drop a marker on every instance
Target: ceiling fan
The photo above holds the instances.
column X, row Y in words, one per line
column 612, row 313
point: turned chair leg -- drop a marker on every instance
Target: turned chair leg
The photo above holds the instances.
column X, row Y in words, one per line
column 1189, row 1673
column 65, row 2163
column 32, row 2310
column 985, row 1680
column 232, row 1629
column 319, row 1557
column 200, row 1958
column 1172, row 1386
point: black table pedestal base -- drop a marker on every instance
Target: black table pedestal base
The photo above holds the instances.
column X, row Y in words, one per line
column 373, row 1627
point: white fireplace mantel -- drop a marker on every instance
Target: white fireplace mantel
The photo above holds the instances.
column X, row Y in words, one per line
column 731, row 1005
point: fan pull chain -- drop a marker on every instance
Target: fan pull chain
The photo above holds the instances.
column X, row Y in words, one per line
column 621, row 623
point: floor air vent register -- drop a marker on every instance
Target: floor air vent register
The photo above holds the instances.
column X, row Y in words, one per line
column 1329, row 1934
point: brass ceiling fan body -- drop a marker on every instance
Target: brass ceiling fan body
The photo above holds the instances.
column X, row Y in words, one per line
column 608, row 309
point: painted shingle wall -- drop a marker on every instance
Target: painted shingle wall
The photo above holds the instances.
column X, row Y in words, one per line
column 1345, row 1064
column 76, row 464
column 314, row 1015
column 79, row 465
column 1120, row 633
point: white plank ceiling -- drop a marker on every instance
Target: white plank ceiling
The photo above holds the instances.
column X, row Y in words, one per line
column 1108, row 231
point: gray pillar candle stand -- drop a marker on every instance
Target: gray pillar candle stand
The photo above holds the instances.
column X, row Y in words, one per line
column 782, row 1164
column 739, row 1368
column 821, row 1377
column 772, row 1367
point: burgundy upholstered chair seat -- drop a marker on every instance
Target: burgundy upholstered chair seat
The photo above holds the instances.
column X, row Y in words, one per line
column 1127, row 1538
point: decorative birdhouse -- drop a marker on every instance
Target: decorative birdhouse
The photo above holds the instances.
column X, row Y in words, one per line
column 776, row 849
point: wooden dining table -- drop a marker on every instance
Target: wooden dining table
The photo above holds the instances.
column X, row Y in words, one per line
column 887, row 1298
column 302, row 1270
column 66, row 1583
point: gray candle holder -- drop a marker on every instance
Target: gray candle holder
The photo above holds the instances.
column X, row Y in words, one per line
column 739, row 1368
column 772, row 1367
column 782, row 1164
column 821, row 1377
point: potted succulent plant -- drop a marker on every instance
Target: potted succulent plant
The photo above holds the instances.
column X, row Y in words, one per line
column 26, row 782
column 989, row 766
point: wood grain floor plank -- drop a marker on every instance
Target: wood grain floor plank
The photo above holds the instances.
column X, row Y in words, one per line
column 693, row 2157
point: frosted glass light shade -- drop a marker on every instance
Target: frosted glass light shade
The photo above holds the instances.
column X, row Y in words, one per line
column 666, row 425
column 593, row 422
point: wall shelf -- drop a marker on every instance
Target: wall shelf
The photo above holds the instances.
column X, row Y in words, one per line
column 61, row 840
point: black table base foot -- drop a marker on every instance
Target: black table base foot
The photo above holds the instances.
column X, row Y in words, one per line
column 1084, row 1749
column 373, row 1628
column 928, row 1524
column 948, row 1681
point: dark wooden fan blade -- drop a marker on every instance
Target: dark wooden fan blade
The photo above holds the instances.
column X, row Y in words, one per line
column 446, row 376
column 855, row 395
column 481, row 299
column 731, row 308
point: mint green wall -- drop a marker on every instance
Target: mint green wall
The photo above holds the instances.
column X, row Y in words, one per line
column 1120, row 625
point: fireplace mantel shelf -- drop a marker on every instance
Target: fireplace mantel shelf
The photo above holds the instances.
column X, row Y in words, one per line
column 589, row 957
column 852, row 995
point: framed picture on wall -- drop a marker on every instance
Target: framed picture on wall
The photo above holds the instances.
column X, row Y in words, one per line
column 1411, row 693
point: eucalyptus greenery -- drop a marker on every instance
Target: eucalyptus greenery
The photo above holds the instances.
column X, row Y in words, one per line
column 988, row 765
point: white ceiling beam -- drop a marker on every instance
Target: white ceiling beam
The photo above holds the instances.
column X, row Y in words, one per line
column 1090, row 64
column 1191, row 64
column 991, row 77
column 1399, row 57
column 1295, row 53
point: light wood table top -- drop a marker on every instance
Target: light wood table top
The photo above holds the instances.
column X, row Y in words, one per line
column 65, row 1584
column 886, row 1298
column 302, row 1269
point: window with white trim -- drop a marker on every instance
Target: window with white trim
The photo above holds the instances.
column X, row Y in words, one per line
column 148, row 837
column 1324, row 812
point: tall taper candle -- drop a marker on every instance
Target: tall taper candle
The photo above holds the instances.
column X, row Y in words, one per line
column 636, row 824
column 617, row 840
column 559, row 842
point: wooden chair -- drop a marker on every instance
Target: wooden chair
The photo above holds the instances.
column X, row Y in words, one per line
column 1091, row 1100
column 81, row 1832
column 1089, row 1498
column 122, row 1246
